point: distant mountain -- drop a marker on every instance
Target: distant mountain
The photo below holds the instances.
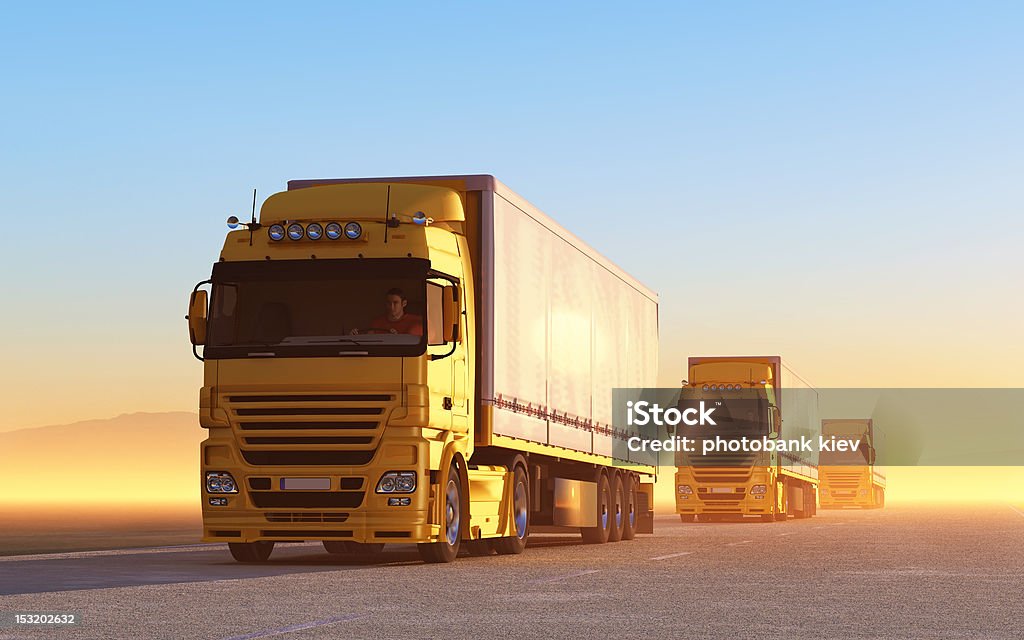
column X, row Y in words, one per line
column 137, row 457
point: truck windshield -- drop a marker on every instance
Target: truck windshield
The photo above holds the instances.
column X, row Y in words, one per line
column 736, row 413
column 309, row 308
column 858, row 457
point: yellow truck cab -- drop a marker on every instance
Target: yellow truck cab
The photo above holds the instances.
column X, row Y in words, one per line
column 850, row 478
column 415, row 360
column 756, row 397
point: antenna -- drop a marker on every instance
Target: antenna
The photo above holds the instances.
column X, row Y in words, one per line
column 387, row 207
column 252, row 225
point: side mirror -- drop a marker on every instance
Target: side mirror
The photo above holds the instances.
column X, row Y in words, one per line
column 451, row 314
column 871, row 455
column 197, row 305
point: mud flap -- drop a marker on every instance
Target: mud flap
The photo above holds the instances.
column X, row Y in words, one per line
column 645, row 508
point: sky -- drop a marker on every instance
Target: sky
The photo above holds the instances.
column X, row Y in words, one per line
column 836, row 183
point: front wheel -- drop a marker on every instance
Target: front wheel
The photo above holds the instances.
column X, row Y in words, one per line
column 510, row 545
column 251, row 551
column 448, row 548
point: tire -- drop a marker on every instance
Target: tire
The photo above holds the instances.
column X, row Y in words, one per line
column 511, row 545
column 451, row 531
column 617, row 509
column 687, row 518
column 629, row 527
column 355, row 549
column 251, row 552
column 768, row 517
column 599, row 534
column 704, row 517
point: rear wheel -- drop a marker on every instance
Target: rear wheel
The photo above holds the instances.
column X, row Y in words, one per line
column 599, row 534
column 520, row 516
column 251, row 551
column 451, row 526
column 618, row 508
column 629, row 524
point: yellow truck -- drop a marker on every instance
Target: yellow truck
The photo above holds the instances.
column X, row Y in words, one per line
column 423, row 360
column 762, row 405
column 850, row 478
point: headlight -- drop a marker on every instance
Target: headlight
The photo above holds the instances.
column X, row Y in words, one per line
column 276, row 232
column 220, row 482
column 863, row 492
column 824, row 492
column 705, row 387
column 333, row 230
column 685, row 490
column 353, row 230
column 314, row 231
column 758, row 490
column 295, row 231
column 397, row 482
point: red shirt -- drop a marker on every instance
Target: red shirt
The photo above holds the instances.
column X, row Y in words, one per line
column 409, row 323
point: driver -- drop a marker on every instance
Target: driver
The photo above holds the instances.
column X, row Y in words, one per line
column 395, row 319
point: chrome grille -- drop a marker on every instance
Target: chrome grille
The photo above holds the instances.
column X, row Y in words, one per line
column 308, row 429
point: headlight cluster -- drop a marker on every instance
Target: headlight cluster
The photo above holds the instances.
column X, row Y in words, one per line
column 397, row 482
column 722, row 387
column 315, row 231
column 685, row 490
column 220, row 482
column 758, row 490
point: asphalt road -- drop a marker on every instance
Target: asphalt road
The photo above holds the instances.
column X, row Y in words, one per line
column 920, row 572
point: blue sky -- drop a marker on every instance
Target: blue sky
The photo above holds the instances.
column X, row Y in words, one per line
column 837, row 183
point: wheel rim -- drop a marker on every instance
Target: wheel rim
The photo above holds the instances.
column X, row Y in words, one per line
column 604, row 515
column 519, row 509
column 452, row 513
column 632, row 514
column 619, row 499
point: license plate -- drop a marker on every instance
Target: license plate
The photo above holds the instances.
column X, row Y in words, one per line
column 305, row 484
column 722, row 490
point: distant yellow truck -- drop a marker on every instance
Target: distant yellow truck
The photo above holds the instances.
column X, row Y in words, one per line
column 423, row 360
column 756, row 398
column 850, row 478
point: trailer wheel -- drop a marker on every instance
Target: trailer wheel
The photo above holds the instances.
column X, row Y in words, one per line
column 510, row 545
column 599, row 534
column 451, row 530
column 251, row 551
column 617, row 510
column 629, row 528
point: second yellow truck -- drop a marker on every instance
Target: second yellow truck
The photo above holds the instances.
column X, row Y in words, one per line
column 757, row 397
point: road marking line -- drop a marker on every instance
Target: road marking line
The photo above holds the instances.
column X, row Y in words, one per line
column 672, row 555
column 733, row 544
column 565, row 577
column 1019, row 512
column 297, row 627
column 788, row 533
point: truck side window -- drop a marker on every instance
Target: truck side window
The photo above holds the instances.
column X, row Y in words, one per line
column 435, row 314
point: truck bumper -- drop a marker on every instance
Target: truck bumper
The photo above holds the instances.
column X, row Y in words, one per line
column 398, row 526
column 722, row 499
